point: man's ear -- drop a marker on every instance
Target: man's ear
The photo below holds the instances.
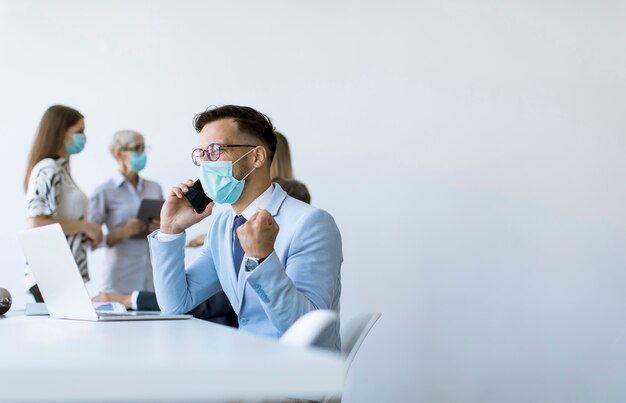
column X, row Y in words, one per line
column 260, row 156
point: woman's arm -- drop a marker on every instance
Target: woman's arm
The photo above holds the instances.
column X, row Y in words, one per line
column 132, row 227
column 70, row 227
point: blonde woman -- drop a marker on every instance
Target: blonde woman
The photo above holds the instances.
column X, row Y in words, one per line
column 281, row 164
column 52, row 196
column 115, row 203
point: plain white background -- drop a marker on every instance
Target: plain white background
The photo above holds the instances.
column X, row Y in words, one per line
column 471, row 152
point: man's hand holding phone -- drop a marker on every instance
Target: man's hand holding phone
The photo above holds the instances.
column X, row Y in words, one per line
column 178, row 214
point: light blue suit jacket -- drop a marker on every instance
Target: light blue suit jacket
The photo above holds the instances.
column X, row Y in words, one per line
column 302, row 273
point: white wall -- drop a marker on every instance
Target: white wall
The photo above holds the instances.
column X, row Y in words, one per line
column 472, row 154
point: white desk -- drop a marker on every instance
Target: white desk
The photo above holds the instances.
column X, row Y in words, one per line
column 45, row 359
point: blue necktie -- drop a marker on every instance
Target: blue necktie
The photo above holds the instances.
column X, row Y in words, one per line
column 237, row 250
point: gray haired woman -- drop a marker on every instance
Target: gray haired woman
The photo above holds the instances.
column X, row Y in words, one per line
column 115, row 204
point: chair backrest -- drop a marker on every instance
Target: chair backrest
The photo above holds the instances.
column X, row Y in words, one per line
column 354, row 332
column 308, row 327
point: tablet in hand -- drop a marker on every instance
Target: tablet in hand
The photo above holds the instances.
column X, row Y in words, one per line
column 149, row 209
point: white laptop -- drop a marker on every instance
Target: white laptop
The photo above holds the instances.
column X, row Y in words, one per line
column 50, row 259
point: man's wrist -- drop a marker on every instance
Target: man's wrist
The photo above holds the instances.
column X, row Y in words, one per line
column 261, row 256
column 170, row 230
column 261, row 259
column 160, row 236
column 252, row 262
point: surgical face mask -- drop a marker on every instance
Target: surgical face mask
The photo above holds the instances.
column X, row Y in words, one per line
column 137, row 161
column 78, row 143
column 218, row 181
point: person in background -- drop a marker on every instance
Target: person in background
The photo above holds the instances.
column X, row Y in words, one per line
column 52, row 196
column 115, row 203
column 281, row 164
column 295, row 189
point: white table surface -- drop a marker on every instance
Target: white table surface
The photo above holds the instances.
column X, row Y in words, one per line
column 45, row 359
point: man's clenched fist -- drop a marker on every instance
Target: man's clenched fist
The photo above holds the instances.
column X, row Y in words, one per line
column 258, row 234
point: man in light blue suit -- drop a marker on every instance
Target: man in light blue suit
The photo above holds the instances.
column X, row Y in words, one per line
column 275, row 257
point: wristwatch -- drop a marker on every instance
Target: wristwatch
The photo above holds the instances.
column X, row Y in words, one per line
column 251, row 263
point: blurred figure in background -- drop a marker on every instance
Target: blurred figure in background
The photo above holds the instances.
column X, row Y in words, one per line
column 281, row 164
column 52, row 196
column 115, row 203
column 295, row 189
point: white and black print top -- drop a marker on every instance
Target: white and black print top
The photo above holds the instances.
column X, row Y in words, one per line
column 52, row 192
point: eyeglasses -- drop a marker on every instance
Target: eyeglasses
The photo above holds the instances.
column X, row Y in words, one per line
column 139, row 148
column 212, row 152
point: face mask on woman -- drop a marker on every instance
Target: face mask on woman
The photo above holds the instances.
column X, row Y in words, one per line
column 77, row 145
column 137, row 161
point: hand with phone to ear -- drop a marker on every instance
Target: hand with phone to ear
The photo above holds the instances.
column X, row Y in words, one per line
column 177, row 214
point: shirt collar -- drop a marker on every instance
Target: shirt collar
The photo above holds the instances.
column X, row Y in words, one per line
column 261, row 202
column 119, row 179
column 62, row 161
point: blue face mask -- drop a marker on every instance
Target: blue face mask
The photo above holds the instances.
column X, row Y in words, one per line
column 78, row 143
column 219, row 183
column 137, row 161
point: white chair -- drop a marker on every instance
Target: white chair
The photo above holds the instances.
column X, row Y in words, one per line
column 353, row 334
column 309, row 327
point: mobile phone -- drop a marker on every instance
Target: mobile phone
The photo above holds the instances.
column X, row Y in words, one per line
column 197, row 198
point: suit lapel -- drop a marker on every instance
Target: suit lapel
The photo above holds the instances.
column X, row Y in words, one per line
column 278, row 197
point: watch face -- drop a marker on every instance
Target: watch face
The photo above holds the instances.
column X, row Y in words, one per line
column 251, row 264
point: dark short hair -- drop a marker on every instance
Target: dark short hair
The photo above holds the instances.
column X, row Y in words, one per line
column 295, row 189
column 249, row 121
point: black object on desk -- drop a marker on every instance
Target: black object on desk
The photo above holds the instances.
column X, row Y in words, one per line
column 5, row 301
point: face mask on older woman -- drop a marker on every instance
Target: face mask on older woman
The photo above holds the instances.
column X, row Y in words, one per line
column 137, row 161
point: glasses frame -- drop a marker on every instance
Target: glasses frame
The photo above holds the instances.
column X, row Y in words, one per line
column 146, row 149
column 206, row 153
